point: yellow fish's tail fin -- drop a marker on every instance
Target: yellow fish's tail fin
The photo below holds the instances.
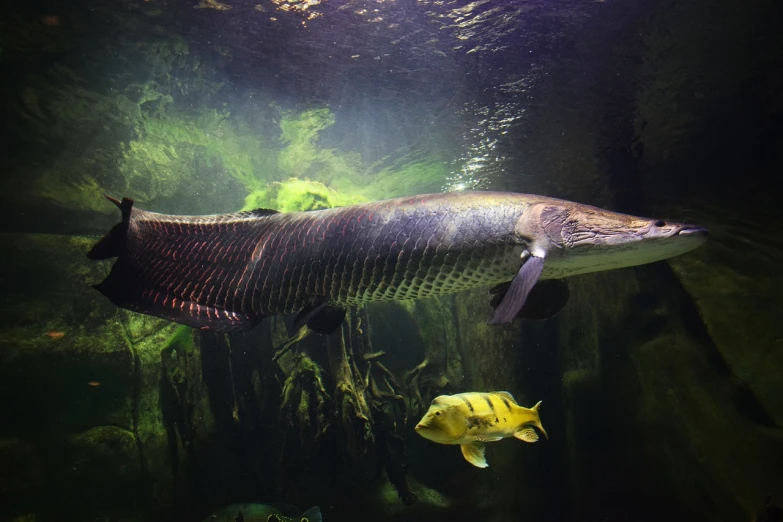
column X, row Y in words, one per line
column 537, row 423
column 527, row 433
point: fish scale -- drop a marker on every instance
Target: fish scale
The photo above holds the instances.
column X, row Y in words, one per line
column 229, row 271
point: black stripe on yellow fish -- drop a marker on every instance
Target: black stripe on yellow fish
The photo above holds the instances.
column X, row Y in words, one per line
column 491, row 405
column 466, row 401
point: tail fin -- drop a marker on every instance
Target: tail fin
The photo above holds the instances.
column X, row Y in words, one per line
column 113, row 243
column 538, row 419
column 311, row 515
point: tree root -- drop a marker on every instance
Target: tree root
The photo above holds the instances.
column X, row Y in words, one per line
column 352, row 410
column 305, row 396
column 413, row 380
column 300, row 336
column 366, row 406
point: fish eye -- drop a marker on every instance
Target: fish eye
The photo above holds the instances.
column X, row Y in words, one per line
column 660, row 223
column 437, row 413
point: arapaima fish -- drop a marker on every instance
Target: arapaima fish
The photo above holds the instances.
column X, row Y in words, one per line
column 227, row 272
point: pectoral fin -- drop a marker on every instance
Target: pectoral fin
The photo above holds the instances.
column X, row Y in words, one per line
column 544, row 301
column 519, row 289
column 474, row 453
column 527, row 434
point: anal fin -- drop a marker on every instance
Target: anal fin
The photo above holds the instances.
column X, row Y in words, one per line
column 474, row 453
column 121, row 289
column 527, row 435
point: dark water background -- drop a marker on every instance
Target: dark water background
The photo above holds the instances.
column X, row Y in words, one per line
column 672, row 108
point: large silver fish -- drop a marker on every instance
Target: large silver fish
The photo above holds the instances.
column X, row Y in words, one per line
column 227, row 272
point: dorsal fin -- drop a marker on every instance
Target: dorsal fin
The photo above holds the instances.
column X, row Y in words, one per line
column 506, row 395
column 259, row 212
column 113, row 244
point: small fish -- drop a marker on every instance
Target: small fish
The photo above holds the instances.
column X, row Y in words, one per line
column 55, row 335
column 94, row 384
column 473, row 418
column 263, row 513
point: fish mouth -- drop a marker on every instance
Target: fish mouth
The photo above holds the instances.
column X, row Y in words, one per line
column 692, row 230
column 420, row 427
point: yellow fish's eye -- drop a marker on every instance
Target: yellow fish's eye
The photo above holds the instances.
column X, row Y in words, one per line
column 437, row 413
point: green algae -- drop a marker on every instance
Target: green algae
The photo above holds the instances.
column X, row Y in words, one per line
column 296, row 194
column 181, row 339
column 299, row 132
column 148, row 139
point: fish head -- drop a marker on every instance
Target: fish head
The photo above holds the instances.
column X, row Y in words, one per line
column 444, row 422
column 577, row 239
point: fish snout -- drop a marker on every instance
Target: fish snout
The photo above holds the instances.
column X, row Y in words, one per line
column 692, row 230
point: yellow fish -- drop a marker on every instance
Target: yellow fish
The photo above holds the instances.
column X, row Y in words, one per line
column 472, row 418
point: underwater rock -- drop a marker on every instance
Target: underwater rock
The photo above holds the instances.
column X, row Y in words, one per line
column 23, row 471
column 54, row 328
column 85, row 380
column 738, row 297
column 95, row 470
column 668, row 419
column 68, row 378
